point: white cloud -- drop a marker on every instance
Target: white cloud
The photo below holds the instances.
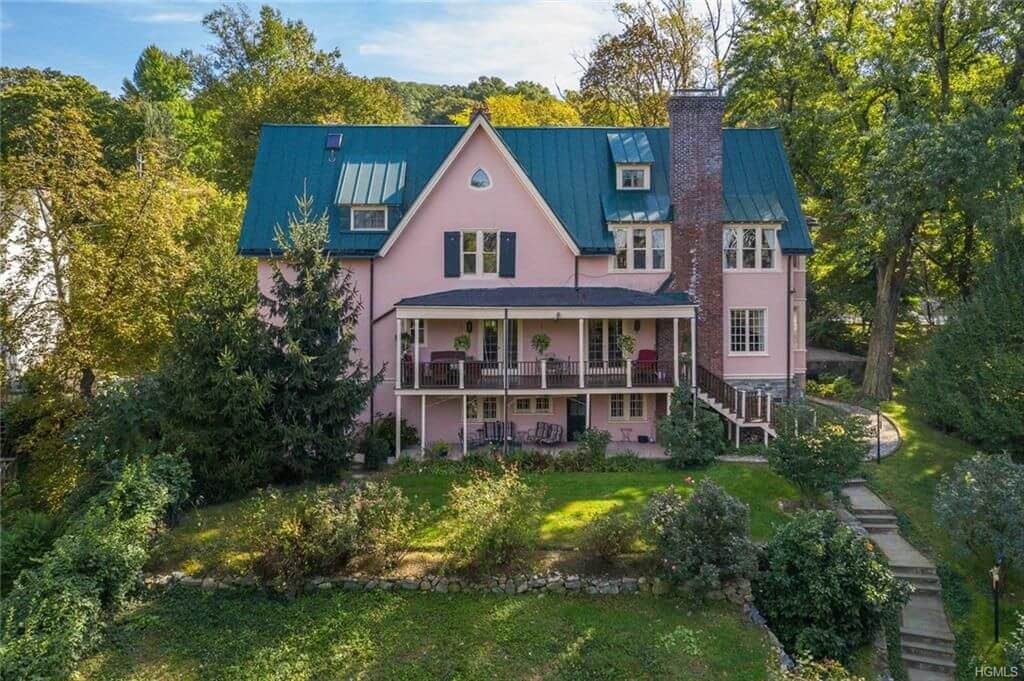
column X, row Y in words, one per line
column 169, row 17
column 526, row 41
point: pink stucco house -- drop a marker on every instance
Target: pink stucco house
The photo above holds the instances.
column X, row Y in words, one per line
column 473, row 245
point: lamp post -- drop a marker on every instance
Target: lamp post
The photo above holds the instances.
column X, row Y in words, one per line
column 995, row 571
column 878, row 433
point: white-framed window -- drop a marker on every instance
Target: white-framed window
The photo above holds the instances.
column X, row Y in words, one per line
column 369, row 218
column 480, row 252
column 603, row 340
column 750, row 248
column 480, row 179
column 407, row 332
column 531, row 405
column 639, row 249
column 481, row 408
column 633, row 177
column 746, row 331
column 627, row 407
column 492, row 345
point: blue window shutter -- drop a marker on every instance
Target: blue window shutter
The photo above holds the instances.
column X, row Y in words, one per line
column 507, row 255
column 451, row 254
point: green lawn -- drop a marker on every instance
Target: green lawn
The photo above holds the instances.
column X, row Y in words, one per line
column 907, row 482
column 211, row 540
column 192, row 634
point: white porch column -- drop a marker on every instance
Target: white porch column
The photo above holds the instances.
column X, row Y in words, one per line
column 668, row 404
column 416, row 353
column 675, row 351
column 462, row 374
column 629, row 373
column 423, row 424
column 398, row 352
column 693, row 351
column 543, row 373
column 582, row 371
column 465, row 426
column 588, row 410
column 398, row 426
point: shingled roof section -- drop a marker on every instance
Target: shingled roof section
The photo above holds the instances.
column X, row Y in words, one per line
column 546, row 296
column 572, row 168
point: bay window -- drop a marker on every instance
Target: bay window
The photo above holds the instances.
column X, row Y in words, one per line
column 749, row 248
column 640, row 249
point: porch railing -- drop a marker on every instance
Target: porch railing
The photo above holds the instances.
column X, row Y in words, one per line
column 539, row 374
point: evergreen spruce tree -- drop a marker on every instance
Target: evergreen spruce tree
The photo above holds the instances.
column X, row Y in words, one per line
column 319, row 387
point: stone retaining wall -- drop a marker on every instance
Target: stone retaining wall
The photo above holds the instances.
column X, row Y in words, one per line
column 735, row 592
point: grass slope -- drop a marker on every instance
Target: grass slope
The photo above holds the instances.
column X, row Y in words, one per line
column 907, row 481
column 211, row 540
column 192, row 634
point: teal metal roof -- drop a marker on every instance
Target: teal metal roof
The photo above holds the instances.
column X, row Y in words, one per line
column 636, row 206
column 371, row 180
column 630, row 146
column 758, row 186
column 572, row 168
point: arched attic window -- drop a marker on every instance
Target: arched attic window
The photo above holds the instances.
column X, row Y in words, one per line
column 480, row 179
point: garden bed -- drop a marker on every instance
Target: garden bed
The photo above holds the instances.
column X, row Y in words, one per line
column 212, row 540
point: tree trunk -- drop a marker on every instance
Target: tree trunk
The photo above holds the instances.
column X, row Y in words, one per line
column 86, row 382
column 882, row 344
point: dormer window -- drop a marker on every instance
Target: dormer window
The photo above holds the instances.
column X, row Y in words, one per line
column 633, row 177
column 369, row 218
column 480, row 179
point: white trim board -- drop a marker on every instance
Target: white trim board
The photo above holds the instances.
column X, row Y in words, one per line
column 448, row 312
column 481, row 122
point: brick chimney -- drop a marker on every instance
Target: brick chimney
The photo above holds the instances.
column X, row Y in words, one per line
column 695, row 133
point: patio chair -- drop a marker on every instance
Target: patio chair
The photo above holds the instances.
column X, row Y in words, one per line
column 476, row 438
column 547, row 434
column 646, row 365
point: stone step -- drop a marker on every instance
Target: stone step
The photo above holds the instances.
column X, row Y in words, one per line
column 882, row 529
column 856, row 482
column 928, row 650
column 934, row 664
column 916, row 578
column 875, row 519
column 872, row 511
column 927, row 590
column 915, row 570
column 927, row 637
column 914, row 674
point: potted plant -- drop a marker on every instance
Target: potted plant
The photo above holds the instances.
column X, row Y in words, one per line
column 540, row 343
column 461, row 342
column 627, row 345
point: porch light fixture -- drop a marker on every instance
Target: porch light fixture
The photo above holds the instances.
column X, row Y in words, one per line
column 469, row 327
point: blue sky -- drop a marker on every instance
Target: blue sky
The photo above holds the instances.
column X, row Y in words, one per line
column 434, row 42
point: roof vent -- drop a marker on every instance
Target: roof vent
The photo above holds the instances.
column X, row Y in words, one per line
column 333, row 142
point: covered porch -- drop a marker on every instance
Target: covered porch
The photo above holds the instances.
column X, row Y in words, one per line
column 518, row 364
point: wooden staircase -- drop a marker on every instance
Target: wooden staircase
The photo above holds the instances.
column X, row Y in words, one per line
column 742, row 408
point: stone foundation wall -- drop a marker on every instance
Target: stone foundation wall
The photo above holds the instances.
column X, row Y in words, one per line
column 735, row 592
column 774, row 386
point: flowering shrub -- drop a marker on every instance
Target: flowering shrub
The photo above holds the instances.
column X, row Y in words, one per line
column 324, row 530
column 610, row 535
column 825, row 591
column 493, row 521
column 690, row 440
column 703, row 540
column 819, row 459
column 981, row 505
